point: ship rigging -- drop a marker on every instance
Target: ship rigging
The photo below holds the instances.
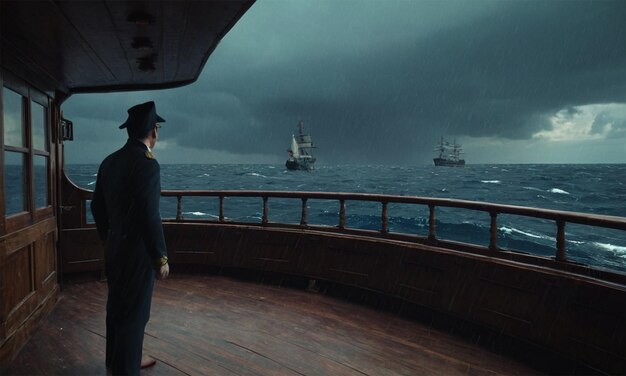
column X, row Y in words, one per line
column 301, row 151
column 449, row 154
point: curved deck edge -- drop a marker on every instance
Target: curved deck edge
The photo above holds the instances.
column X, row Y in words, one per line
column 564, row 314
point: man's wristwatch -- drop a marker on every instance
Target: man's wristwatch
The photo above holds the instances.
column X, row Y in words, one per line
column 160, row 261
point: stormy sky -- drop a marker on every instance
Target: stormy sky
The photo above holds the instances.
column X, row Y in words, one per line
column 379, row 82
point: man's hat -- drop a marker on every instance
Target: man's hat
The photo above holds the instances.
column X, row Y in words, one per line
column 141, row 119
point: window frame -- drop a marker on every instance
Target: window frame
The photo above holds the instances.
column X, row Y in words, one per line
column 46, row 211
column 31, row 214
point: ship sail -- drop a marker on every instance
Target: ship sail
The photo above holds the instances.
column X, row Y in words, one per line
column 300, row 154
column 295, row 150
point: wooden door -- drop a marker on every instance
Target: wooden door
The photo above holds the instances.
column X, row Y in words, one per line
column 28, row 225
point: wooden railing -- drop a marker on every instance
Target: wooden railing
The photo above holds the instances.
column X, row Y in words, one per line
column 561, row 218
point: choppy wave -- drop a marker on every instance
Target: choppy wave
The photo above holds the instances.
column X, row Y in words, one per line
column 559, row 191
column 617, row 249
column 491, row 181
column 91, row 182
column 511, row 230
column 196, row 213
column 533, row 189
column 256, row 174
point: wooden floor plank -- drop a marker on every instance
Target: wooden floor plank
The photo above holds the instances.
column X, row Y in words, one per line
column 212, row 325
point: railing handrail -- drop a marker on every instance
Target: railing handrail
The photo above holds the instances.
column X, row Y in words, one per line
column 606, row 221
column 560, row 217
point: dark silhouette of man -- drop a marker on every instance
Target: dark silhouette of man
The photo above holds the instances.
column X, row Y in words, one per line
column 125, row 207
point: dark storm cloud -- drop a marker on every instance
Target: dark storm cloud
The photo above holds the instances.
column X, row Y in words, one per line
column 380, row 81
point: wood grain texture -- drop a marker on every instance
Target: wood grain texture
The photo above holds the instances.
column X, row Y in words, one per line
column 212, row 325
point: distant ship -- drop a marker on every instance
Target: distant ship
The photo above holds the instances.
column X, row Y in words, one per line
column 300, row 154
column 449, row 154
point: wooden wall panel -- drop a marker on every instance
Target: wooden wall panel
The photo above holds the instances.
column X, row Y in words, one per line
column 312, row 249
column 595, row 317
column 229, row 244
column 263, row 251
column 505, row 305
column 420, row 282
column 81, row 250
column 45, row 260
column 349, row 262
column 195, row 245
column 17, row 280
column 28, row 284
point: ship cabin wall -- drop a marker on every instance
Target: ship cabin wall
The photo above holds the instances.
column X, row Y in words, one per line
column 29, row 168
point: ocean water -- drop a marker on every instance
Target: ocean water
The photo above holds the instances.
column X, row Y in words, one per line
column 597, row 189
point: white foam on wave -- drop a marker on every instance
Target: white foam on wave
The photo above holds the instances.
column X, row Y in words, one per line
column 617, row 249
column 196, row 213
column 204, row 175
column 532, row 189
column 510, row 230
column 491, row 181
column 92, row 183
column 256, row 174
column 559, row 191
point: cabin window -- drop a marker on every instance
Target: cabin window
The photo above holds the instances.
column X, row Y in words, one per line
column 41, row 158
column 13, row 119
column 38, row 122
column 40, row 181
column 27, row 164
column 14, row 176
column 15, row 153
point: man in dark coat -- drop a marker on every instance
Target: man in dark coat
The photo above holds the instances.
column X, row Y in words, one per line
column 125, row 207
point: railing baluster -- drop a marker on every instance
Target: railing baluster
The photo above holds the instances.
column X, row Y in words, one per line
column 342, row 214
column 431, row 223
column 560, row 241
column 303, row 219
column 493, row 238
column 384, row 220
column 221, row 209
column 494, row 210
column 179, row 208
column 265, row 210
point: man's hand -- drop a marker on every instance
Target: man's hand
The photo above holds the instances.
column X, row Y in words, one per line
column 163, row 271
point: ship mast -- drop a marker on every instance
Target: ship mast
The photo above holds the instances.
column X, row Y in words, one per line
column 304, row 142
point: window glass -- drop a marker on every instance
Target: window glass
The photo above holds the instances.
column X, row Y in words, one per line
column 41, row 181
column 12, row 115
column 38, row 116
column 14, row 201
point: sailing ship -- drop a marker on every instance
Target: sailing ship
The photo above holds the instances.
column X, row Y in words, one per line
column 449, row 154
column 300, row 153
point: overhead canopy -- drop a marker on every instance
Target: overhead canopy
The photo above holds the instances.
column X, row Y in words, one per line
column 112, row 45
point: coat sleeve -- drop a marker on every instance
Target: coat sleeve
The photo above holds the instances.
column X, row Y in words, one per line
column 99, row 210
column 148, row 196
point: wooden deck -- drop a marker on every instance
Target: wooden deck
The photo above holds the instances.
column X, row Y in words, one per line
column 213, row 325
